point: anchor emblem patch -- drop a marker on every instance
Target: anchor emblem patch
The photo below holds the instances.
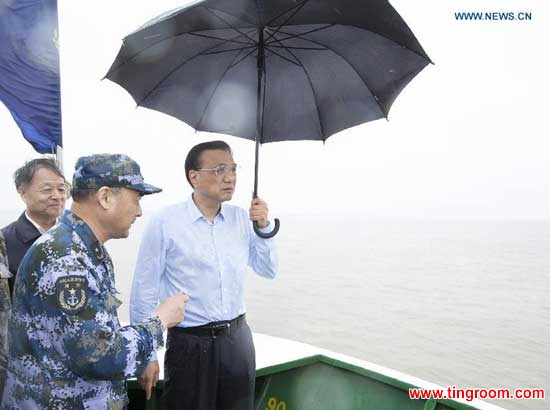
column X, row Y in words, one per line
column 71, row 293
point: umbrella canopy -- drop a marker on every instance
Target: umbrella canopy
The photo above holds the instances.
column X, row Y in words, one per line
column 271, row 70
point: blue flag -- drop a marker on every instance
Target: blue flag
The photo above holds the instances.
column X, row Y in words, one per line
column 29, row 70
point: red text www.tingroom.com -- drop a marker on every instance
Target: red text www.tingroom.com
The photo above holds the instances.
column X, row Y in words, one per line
column 453, row 392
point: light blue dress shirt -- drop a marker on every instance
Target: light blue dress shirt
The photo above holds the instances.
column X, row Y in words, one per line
column 182, row 251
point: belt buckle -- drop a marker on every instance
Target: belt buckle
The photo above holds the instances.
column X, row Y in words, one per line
column 219, row 328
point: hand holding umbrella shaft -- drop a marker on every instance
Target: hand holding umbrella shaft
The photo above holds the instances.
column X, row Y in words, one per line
column 259, row 212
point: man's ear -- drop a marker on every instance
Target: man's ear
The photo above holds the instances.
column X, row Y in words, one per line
column 104, row 197
column 22, row 191
column 193, row 177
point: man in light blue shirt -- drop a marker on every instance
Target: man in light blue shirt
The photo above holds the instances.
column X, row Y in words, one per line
column 202, row 247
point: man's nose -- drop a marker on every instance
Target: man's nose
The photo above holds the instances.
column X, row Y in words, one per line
column 229, row 176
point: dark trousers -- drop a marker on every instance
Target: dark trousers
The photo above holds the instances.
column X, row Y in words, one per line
column 210, row 369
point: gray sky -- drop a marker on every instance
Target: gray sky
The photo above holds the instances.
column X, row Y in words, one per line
column 469, row 137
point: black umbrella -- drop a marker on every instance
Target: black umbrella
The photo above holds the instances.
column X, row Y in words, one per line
column 271, row 70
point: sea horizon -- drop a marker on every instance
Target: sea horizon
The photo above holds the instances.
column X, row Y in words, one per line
column 460, row 302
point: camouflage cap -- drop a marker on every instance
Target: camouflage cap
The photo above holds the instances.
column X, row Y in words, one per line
column 112, row 170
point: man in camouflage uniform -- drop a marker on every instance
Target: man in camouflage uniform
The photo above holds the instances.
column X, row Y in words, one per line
column 67, row 348
column 4, row 310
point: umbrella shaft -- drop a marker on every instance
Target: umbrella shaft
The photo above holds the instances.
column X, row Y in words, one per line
column 259, row 105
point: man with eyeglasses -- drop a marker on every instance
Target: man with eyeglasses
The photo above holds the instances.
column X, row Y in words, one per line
column 202, row 247
column 43, row 188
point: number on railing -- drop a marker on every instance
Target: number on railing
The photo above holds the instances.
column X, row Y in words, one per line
column 274, row 404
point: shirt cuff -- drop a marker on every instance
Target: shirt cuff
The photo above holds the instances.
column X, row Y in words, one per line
column 267, row 228
column 153, row 357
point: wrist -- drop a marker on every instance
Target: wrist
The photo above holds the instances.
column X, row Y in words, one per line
column 264, row 228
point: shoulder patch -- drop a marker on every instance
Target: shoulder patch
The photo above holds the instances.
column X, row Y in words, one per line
column 71, row 293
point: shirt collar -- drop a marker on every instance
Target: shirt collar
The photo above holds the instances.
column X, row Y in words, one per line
column 195, row 214
column 223, row 211
column 35, row 224
column 85, row 232
column 26, row 230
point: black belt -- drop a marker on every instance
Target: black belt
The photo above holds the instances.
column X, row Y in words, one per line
column 213, row 329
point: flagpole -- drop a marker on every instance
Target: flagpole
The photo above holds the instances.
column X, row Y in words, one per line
column 59, row 158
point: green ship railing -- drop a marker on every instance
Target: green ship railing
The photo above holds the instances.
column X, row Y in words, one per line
column 320, row 383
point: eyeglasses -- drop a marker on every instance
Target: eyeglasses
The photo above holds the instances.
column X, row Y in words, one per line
column 222, row 169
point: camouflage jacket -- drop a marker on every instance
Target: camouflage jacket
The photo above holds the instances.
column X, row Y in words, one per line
column 67, row 348
column 4, row 275
column 4, row 310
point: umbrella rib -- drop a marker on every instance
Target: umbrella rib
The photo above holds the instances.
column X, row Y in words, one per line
column 284, row 58
column 312, row 91
column 242, row 58
column 228, row 50
column 300, row 48
column 300, row 5
column 351, row 65
column 177, row 35
column 228, row 24
column 291, row 36
column 296, row 11
column 232, row 15
column 191, row 33
column 214, row 91
column 172, row 71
